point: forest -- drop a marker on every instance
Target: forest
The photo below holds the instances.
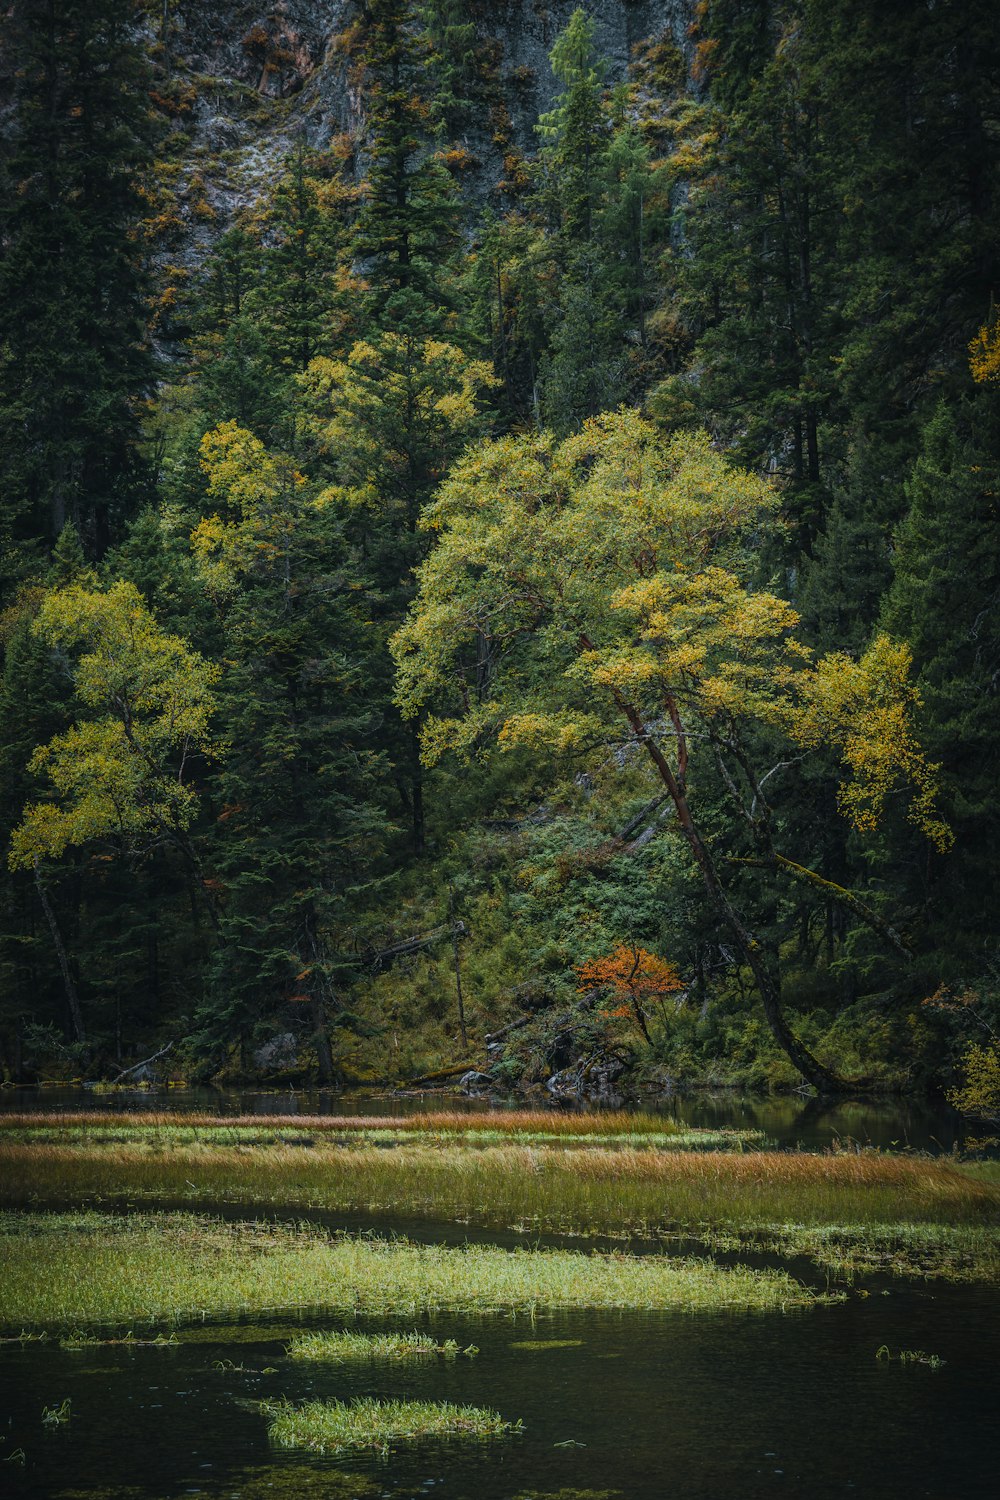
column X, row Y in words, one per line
column 509, row 590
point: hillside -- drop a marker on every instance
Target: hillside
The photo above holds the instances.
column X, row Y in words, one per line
column 498, row 543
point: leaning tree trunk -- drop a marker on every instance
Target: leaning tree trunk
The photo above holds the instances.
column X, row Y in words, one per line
column 747, row 945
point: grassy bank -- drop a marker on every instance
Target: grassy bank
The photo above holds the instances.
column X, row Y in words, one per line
column 338, row 1426
column 849, row 1211
column 73, row 1269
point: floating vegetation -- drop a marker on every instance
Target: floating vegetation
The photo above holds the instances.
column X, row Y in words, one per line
column 336, row 1426
column 57, row 1416
column 74, row 1269
column 910, row 1357
column 533, row 1344
column 951, row 1252
column 80, row 1339
column 350, row 1347
column 299, row 1482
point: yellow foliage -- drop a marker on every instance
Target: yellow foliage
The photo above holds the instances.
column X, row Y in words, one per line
column 984, row 353
column 122, row 770
column 607, row 576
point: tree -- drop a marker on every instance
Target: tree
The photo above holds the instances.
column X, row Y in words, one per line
column 574, row 132
column 298, row 828
column 391, row 417
column 123, row 770
column 408, row 220
column 75, row 361
column 632, row 977
column 597, row 590
column 943, row 603
column 119, row 776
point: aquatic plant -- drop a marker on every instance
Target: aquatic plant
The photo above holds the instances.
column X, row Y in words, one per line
column 850, row 1211
column 349, row 1347
column 57, row 1416
column 335, row 1426
column 910, row 1357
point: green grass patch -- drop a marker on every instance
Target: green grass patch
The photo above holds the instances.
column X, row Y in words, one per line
column 339, row 1426
column 74, row 1269
column 349, row 1347
column 849, row 1211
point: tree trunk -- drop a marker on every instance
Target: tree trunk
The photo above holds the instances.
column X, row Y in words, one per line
column 747, row 946
column 69, row 983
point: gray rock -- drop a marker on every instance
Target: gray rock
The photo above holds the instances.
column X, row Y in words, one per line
column 279, row 1054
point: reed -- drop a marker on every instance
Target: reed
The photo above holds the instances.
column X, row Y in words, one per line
column 503, row 1122
column 545, row 1187
column 524, row 1127
column 339, row 1426
column 85, row 1268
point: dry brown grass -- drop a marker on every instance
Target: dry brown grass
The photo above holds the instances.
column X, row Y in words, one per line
column 505, row 1122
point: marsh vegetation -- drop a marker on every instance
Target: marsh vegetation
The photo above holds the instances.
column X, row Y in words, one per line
column 850, row 1211
column 144, row 1239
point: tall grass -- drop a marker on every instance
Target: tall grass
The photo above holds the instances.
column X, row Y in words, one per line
column 73, row 1269
column 848, row 1211
column 503, row 1122
column 527, row 1127
column 338, row 1426
column 593, row 1190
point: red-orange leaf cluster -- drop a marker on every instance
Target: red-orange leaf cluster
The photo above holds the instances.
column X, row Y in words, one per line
column 632, row 972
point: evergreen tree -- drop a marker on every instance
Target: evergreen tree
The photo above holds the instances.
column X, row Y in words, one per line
column 943, row 601
column 298, row 831
column 408, row 221
column 75, row 361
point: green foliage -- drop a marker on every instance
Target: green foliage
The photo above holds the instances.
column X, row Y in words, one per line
column 979, row 1093
column 793, row 248
column 74, row 362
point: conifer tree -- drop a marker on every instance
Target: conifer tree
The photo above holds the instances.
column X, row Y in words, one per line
column 74, row 362
column 409, row 217
column 943, row 601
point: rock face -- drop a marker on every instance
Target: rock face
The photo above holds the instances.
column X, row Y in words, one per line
column 256, row 78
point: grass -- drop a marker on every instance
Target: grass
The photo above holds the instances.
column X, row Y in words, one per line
column 357, row 1348
column 339, row 1426
column 74, row 1269
column 851, row 1212
column 527, row 1127
column 57, row 1416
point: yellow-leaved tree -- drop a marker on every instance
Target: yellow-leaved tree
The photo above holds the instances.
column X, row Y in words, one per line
column 595, row 591
column 121, row 772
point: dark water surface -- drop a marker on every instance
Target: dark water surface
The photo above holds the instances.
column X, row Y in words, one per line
column 693, row 1407
column 789, row 1120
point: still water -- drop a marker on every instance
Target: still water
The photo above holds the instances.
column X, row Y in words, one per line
column 692, row 1407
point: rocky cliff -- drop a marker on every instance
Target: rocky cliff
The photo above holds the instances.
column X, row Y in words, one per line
column 243, row 81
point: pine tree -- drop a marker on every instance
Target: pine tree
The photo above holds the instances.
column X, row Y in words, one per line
column 944, row 602
column 298, row 828
column 408, row 221
column 75, row 361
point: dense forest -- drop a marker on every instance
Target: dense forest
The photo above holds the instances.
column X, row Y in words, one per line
column 511, row 584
